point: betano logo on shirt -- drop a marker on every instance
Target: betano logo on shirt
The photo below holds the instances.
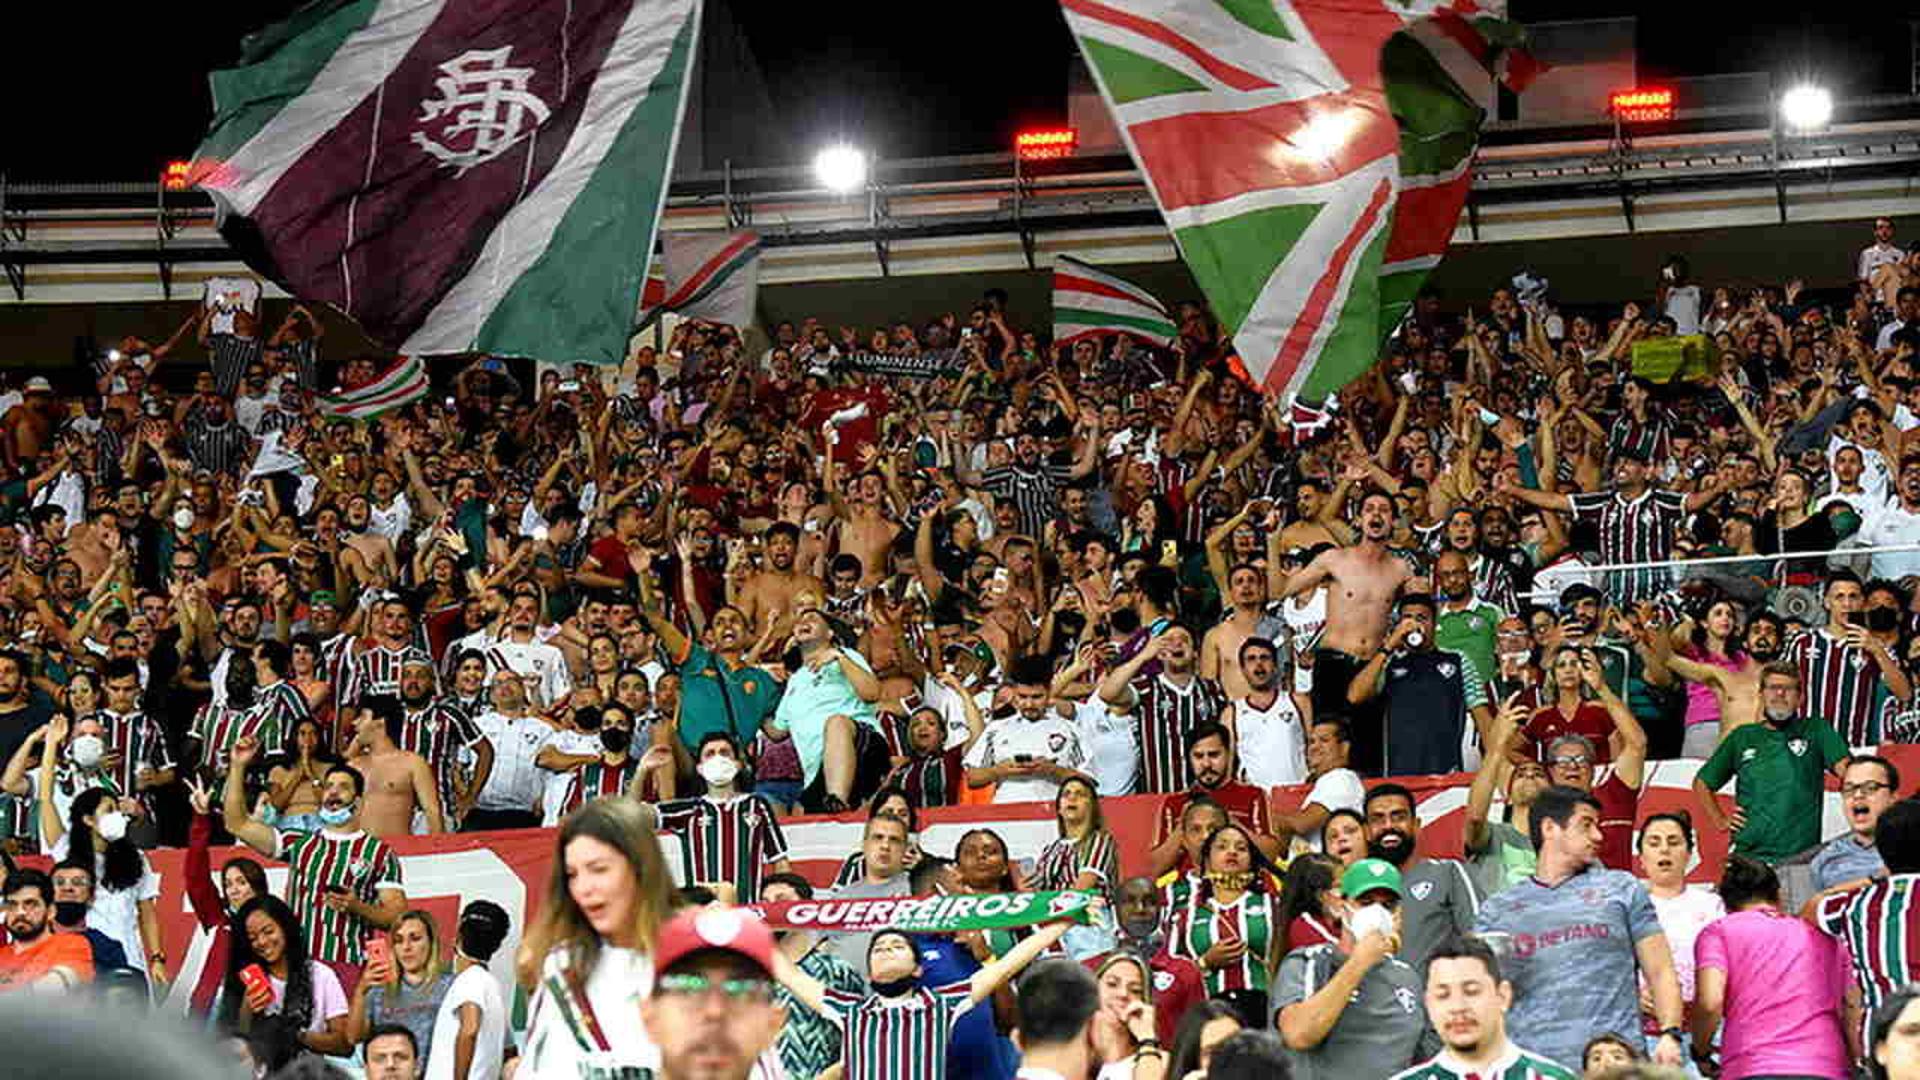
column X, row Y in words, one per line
column 1525, row 945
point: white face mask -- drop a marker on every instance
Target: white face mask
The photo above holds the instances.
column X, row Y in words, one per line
column 719, row 771
column 112, row 826
column 1369, row 919
column 88, row 750
column 183, row 518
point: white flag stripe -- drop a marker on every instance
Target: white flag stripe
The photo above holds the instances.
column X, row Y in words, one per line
column 1287, row 289
column 1423, row 262
column 638, row 53
column 1071, row 265
column 1342, row 293
column 1108, row 305
column 1202, row 23
column 1424, row 180
column 357, row 68
column 1206, row 214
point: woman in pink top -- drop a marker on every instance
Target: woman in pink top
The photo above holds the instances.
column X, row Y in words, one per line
column 1711, row 641
column 1666, row 854
column 1778, row 981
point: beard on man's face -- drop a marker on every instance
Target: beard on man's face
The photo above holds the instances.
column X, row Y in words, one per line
column 1393, row 845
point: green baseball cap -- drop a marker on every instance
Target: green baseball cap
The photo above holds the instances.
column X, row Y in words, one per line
column 1367, row 875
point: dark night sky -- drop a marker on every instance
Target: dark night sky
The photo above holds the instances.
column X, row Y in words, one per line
column 117, row 90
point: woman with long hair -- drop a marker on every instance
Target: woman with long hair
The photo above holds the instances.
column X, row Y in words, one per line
column 1310, row 901
column 405, row 988
column 1084, row 855
column 305, row 995
column 83, row 694
column 1568, row 709
column 1125, row 1019
column 1229, row 925
column 241, row 879
column 126, row 889
column 587, row 957
column 293, row 782
column 1705, row 653
column 1205, row 1027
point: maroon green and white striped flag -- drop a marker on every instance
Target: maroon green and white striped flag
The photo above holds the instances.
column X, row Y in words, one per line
column 403, row 380
column 712, row 276
column 1267, row 132
column 457, row 176
column 1089, row 301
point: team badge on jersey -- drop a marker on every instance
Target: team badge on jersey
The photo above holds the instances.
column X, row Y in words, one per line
column 1422, row 889
column 1798, row 746
column 1404, row 995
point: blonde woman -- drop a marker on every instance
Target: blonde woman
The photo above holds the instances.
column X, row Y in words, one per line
column 406, row 986
column 1084, row 856
column 588, row 956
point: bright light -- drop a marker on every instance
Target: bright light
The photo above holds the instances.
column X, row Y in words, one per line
column 174, row 176
column 1321, row 138
column 840, row 168
column 1806, row 107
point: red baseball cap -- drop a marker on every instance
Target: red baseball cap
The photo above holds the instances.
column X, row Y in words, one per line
column 733, row 930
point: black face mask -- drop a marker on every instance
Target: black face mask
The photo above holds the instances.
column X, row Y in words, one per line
column 616, row 740
column 895, row 987
column 70, row 913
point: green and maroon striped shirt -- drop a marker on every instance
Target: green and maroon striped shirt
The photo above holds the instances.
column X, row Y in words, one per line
column 218, row 727
column 1515, row 1064
column 1202, row 923
column 359, row 862
column 438, row 733
column 903, row 1038
column 731, row 841
column 597, row 779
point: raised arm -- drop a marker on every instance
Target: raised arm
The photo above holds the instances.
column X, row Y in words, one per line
column 233, row 804
column 1511, row 718
column 1542, row 500
column 996, row 974
column 1116, row 689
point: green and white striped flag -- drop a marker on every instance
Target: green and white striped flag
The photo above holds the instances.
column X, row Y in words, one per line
column 457, row 176
column 1089, row 301
column 404, row 380
column 1267, row 132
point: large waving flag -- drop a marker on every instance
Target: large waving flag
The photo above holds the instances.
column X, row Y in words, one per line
column 457, row 176
column 1087, row 301
column 712, row 276
column 1267, row 132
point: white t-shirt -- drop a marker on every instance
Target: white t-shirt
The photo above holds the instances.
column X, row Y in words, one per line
column 1112, row 747
column 541, row 666
column 1683, row 307
column 474, row 986
column 1273, row 743
column 952, row 710
column 116, row 912
column 1338, row 789
column 1050, row 738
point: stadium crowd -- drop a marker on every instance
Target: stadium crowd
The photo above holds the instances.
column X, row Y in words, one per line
column 946, row 562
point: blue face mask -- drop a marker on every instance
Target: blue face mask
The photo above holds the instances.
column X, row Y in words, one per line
column 269, row 815
column 334, row 817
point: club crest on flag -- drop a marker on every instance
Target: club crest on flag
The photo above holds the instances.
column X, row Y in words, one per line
column 489, row 105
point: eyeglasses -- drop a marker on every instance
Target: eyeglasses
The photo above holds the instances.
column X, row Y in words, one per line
column 734, row 990
column 1868, row 787
column 1569, row 759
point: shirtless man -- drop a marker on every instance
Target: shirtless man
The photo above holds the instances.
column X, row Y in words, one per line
column 768, row 598
column 399, row 782
column 1307, row 528
column 366, row 554
column 865, row 529
column 1247, row 617
column 29, row 425
column 1366, row 578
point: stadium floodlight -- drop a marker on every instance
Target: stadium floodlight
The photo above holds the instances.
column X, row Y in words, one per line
column 1806, row 107
column 841, row 168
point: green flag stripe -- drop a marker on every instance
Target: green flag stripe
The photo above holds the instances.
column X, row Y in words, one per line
column 1233, row 258
column 1258, row 16
column 1130, row 77
column 602, row 236
column 1439, row 125
column 1080, row 317
column 1353, row 345
column 278, row 68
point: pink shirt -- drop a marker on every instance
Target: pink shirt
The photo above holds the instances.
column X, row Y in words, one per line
column 1785, row 981
column 1703, row 705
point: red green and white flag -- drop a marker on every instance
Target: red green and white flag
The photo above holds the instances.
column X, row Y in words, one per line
column 711, row 276
column 1310, row 157
column 457, row 176
column 1087, row 302
column 402, row 381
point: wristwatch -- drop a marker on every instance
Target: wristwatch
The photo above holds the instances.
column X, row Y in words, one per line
column 1679, row 1034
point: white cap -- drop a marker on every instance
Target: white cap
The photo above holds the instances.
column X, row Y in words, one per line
column 40, row 383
